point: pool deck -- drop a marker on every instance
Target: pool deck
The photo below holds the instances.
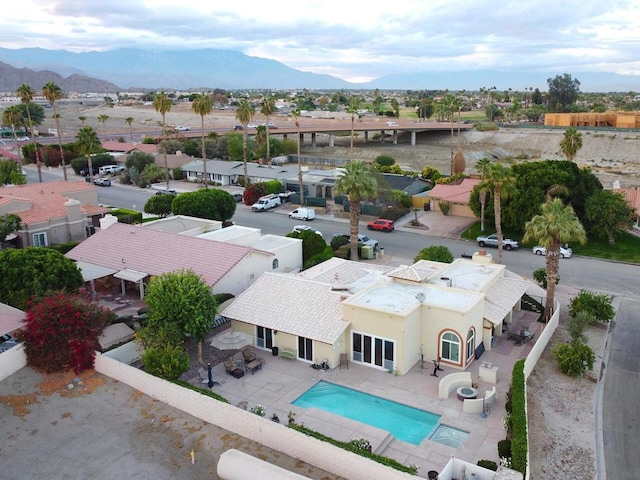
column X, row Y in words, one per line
column 281, row 381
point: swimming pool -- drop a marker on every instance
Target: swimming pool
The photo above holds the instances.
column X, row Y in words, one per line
column 408, row 424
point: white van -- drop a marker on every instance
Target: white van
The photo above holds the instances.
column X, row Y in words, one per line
column 303, row 213
column 110, row 169
column 265, row 203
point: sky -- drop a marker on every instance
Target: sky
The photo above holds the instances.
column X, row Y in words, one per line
column 355, row 40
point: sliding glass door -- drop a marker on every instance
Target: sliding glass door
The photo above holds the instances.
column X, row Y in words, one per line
column 374, row 351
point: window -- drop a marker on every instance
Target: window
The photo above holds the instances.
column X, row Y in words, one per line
column 264, row 338
column 274, row 265
column 40, row 239
column 471, row 343
column 450, row 347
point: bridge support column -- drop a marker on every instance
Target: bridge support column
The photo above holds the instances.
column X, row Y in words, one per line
column 382, row 136
column 313, row 139
column 331, row 140
column 395, row 137
column 366, row 136
column 413, row 139
column 301, row 139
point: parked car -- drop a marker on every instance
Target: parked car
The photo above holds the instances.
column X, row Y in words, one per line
column 85, row 172
column 305, row 228
column 270, row 125
column 266, row 202
column 166, row 192
column 238, row 127
column 381, row 224
column 303, row 213
column 565, row 252
column 237, row 196
column 182, row 128
column 23, row 139
column 252, row 125
column 492, row 241
column 102, row 182
column 361, row 239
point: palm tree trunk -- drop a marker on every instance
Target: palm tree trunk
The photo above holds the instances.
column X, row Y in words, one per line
column 244, row 156
column 498, row 215
column 354, row 220
column 200, row 359
column 204, row 154
column 553, row 264
column 300, row 168
column 64, row 166
column 351, row 144
column 483, row 201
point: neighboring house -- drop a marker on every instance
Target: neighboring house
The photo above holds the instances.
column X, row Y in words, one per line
column 127, row 148
column 632, row 196
column 381, row 317
column 52, row 212
column 457, row 195
column 11, row 319
column 229, row 172
column 133, row 254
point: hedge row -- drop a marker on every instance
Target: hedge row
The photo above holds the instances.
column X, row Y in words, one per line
column 519, row 443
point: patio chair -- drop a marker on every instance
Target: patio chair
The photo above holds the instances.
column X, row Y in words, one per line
column 248, row 355
column 344, row 359
column 232, row 369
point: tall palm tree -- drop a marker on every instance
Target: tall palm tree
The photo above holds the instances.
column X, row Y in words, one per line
column 162, row 104
column 26, row 95
column 202, row 105
column 103, row 119
column 557, row 224
column 500, row 181
column 267, row 108
column 358, row 182
column 244, row 114
column 88, row 142
column 571, row 143
column 129, row 121
column 296, row 115
column 352, row 108
column 53, row 92
column 13, row 116
column 482, row 166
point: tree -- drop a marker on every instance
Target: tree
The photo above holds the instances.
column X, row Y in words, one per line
column 356, row 181
column 214, row 204
column 162, row 104
column 32, row 272
column 129, row 121
column 296, row 115
column 500, row 182
column 159, row 205
column 166, row 361
column 52, row 93
column 244, row 114
column 10, row 173
column 574, row 358
column 26, row 95
column 103, row 119
column 571, row 143
column 597, row 305
column 312, row 244
column 435, row 253
column 267, row 108
column 9, row 223
column 13, row 116
column 87, row 142
column 61, row 332
column 202, row 105
column 491, row 111
column 608, row 215
column 557, row 224
column 352, row 109
column 563, row 91
column 192, row 307
column 82, row 119
column 483, row 166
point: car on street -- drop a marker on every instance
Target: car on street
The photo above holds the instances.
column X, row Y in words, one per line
column 85, row 172
column 166, row 192
column 270, row 125
column 565, row 252
column 238, row 127
column 363, row 239
column 303, row 213
column 237, row 196
column 23, row 139
column 182, row 128
column 305, row 228
column 381, row 224
column 492, row 241
column 102, row 182
column 252, row 125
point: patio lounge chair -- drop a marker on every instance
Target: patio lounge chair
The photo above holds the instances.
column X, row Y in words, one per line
column 248, row 355
column 232, row 369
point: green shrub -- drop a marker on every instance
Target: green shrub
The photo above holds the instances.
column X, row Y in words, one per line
column 574, row 358
column 178, row 173
column 485, row 127
column 127, row 216
column 384, row 160
column 435, row 253
column 395, row 213
column 504, row 448
column 222, row 297
column 597, row 305
column 519, row 445
column 64, row 247
column 445, row 207
column 319, row 258
column 488, row 464
column 338, row 241
column 577, row 324
column 168, row 361
column 540, row 276
column 203, row 391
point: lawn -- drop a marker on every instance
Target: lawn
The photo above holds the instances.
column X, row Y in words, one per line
column 626, row 248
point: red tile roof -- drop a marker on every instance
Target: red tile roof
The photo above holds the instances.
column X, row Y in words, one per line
column 126, row 246
column 46, row 199
column 455, row 193
column 130, row 147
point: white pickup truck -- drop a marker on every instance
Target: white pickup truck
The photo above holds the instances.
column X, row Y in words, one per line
column 492, row 241
column 265, row 203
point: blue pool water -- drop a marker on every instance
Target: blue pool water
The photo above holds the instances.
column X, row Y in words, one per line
column 405, row 423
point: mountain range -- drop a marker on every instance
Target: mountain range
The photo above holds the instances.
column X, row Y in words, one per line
column 131, row 69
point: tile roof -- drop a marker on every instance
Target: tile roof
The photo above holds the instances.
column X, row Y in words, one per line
column 126, row 147
column 413, row 273
column 501, row 297
column 125, row 246
column 46, row 200
column 291, row 304
column 343, row 272
column 454, row 193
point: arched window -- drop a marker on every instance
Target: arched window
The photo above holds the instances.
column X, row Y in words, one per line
column 450, row 347
column 275, row 264
column 471, row 343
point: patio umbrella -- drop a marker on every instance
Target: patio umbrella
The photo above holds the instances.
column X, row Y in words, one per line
column 231, row 340
column 210, row 384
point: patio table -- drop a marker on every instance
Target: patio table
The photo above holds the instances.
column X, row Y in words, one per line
column 254, row 365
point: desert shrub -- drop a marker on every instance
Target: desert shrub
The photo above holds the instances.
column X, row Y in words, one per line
column 149, row 141
column 430, row 173
column 166, row 361
column 445, row 207
column 384, row 160
column 540, row 276
column 574, row 358
column 485, row 127
column 436, row 253
column 597, row 305
column 338, row 241
column 488, row 464
column 577, row 324
column 127, row 216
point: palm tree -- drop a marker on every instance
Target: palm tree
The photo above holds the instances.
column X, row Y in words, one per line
column 482, row 166
column 129, row 121
column 358, row 183
column 26, row 94
column 88, row 142
column 53, row 92
column 571, row 143
column 103, row 119
column 162, row 104
column 13, row 116
column 244, row 114
column 202, row 105
column 82, row 119
column 267, row 108
column 352, row 109
column 501, row 183
column 557, row 224
column 296, row 115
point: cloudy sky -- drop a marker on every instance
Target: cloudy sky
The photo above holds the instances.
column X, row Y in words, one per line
column 355, row 40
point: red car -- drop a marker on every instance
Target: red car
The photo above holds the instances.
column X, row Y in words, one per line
column 381, row 224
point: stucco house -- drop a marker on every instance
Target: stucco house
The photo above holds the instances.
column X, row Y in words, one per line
column 52, row 212
column 380, row 317
column 457, row 195
column 229, row 172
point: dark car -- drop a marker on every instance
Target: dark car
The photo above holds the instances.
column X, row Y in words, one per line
column 85, row 172
column 238, row 127
column 166, row 192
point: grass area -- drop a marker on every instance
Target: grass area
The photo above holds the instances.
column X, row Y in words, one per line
column 626, row 248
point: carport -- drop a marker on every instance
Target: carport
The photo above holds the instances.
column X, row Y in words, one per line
column 134, row 276
column 91, row 272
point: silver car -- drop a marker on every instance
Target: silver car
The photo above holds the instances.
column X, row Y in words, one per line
column 565, row 252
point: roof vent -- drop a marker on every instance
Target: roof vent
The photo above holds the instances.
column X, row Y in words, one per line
column 420, row 296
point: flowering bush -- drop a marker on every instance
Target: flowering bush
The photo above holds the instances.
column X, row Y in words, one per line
column 361, row 443
column 258, row 410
